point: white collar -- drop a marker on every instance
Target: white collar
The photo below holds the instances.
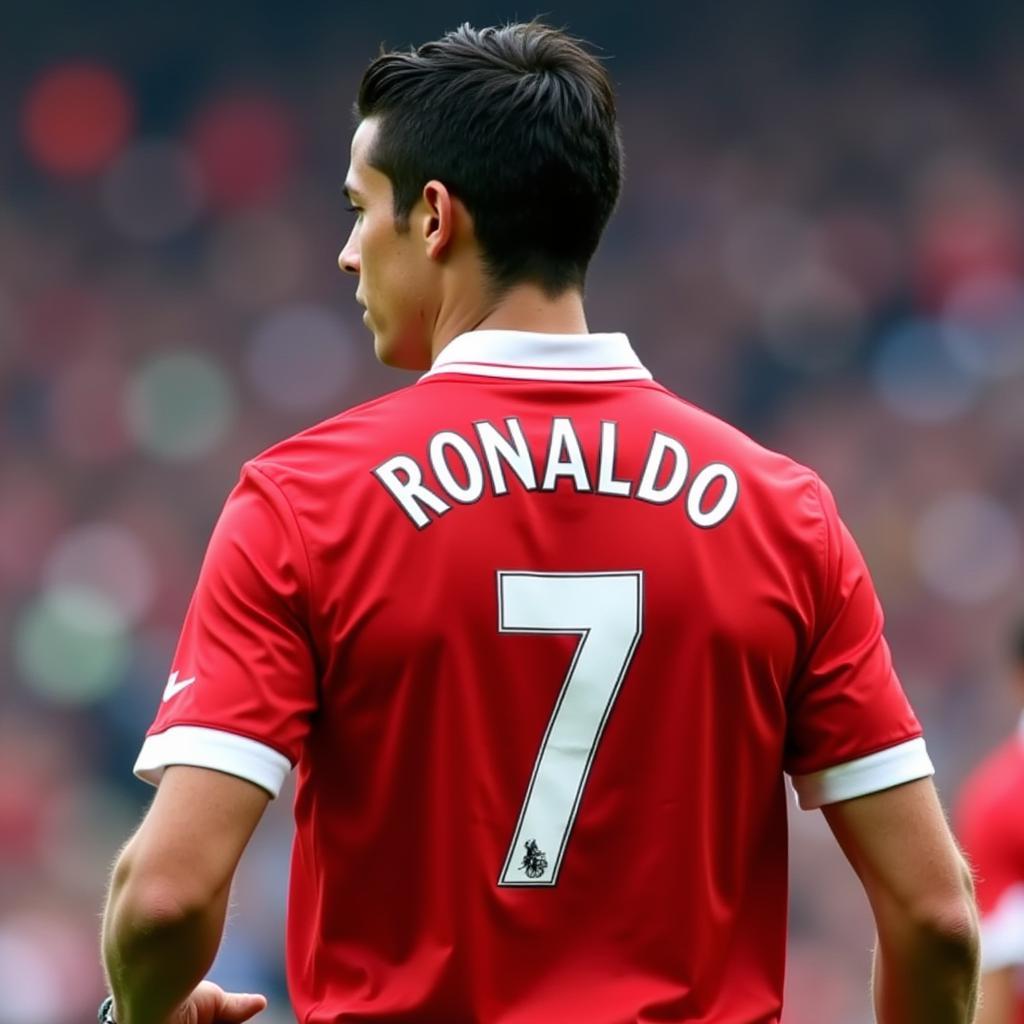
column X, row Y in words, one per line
column 524, row 355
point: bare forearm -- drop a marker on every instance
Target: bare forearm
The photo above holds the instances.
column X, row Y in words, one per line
column 155, row 953
column 926, row 977
column 169, row 896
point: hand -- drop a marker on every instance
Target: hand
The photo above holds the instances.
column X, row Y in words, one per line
column 210, row 1004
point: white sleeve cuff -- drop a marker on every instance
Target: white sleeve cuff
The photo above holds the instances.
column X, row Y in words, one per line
column 1002, row 932
column 203, row 747
column 882, row 770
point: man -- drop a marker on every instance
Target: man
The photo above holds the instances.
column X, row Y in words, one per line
column 991, row 827
column 540, row 637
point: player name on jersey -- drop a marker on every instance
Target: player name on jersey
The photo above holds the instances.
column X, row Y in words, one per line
column 465, row 470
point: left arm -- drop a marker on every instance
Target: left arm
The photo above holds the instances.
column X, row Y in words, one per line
column 168, row 899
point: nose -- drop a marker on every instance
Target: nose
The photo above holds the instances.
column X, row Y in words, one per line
column 348, row 258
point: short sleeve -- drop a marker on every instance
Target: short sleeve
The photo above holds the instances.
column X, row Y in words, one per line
column 851, row 730
column 243, row 685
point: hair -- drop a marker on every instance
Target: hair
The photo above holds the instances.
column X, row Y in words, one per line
column 1017, row 643
column 518, row 122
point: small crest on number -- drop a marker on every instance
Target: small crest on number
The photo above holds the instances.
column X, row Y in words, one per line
column 535, row 860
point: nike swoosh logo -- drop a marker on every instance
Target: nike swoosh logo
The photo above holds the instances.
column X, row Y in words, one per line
column 173, row 687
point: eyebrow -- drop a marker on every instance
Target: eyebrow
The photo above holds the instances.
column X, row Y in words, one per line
column 351, row 193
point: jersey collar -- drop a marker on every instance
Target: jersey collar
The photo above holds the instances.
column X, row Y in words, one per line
column 524, row 355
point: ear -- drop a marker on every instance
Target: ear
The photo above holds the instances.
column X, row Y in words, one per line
column 439, row 222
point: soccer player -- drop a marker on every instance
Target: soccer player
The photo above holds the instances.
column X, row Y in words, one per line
column 540, row 638
column 990, row 820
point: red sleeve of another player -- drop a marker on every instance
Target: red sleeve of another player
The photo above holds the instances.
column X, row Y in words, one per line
column 988, row 826
column 851, row 729
column 243, row 685
column 993, row 852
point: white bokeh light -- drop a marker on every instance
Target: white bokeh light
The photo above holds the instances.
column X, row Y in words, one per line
column 71, row 645
column 46, row 975
column 180, row 405
column 153, row 191
column 918, row 379
column 300, row 357
column 985, row 320
column 29, row 980
column 109, row 560
column 967, row 547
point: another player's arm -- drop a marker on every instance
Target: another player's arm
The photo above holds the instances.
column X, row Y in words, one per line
column 921, row 894
column 168, row 899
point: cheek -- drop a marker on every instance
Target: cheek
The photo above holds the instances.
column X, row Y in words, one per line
column 395, row 279
column 378, row 258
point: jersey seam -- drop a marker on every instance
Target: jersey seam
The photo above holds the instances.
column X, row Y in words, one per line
column 310, row 601
column 826, row 547
column 823, row 588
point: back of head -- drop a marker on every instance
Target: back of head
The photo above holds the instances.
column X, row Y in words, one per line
column 519, row 123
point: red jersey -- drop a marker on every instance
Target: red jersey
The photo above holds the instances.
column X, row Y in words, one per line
column 990, row 822
column 541, row 640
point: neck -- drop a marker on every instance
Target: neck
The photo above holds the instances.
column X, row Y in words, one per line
column 524, row 307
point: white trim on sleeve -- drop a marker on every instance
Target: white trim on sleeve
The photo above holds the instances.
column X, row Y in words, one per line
column 884, row 769
column 1002, row 932
column 203, row 747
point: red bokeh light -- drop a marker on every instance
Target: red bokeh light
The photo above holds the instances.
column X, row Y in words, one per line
column 247, row 147
column 958, row 245
column 75, row 119
column 968, row 225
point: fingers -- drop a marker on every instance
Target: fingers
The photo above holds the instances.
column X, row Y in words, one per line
column 236, row 1007
column 212, row 1005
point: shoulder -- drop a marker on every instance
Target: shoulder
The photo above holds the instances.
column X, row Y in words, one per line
column 776, row 485
column 705, row 428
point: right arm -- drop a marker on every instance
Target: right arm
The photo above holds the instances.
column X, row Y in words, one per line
column 921, row 895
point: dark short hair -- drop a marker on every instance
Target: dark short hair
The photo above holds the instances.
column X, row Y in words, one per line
column 518, row 122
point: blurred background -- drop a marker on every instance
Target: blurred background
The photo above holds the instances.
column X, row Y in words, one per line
column 821, row 239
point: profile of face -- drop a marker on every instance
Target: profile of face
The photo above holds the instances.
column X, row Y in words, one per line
column 398, row 268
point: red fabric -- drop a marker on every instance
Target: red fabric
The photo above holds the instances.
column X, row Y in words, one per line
column 328, row 626
column 990, row 826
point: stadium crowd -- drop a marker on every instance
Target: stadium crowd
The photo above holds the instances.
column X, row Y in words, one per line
column 832, row 260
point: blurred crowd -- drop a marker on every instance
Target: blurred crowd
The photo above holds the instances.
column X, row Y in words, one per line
column 832, row 258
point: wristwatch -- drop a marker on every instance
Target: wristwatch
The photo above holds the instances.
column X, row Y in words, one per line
column 106, row 1011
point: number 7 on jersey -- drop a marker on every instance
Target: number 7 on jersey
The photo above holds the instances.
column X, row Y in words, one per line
column 605, row 609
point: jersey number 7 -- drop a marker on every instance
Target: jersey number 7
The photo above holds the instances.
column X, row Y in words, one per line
column 605, row 609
